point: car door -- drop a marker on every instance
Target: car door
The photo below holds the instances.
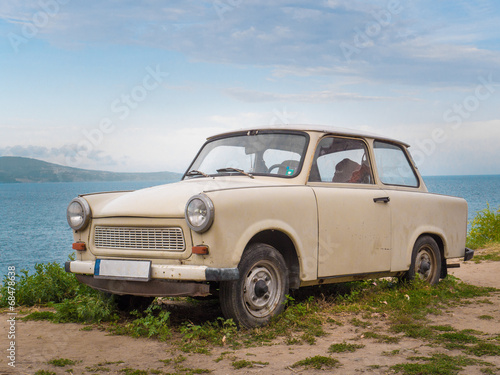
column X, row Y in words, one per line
column 354, row 215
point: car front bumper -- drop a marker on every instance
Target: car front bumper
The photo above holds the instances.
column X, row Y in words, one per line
column 165, row 280
column 167, row 272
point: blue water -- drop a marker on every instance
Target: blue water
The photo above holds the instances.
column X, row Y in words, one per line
column 33, row 227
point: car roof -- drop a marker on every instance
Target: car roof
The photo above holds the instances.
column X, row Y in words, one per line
column 313, row 128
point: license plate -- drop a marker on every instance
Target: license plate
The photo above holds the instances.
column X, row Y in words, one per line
column 137, row 270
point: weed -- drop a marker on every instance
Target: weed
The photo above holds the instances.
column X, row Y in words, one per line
column 443, row 328
column 486, row 317
column 359, row 323
column 44, row 372
column 153, row 322
column 485, row 228
column 241, row 364
column 344, row 347
column 488, row 371
column 381, row 337
column 458, row 337
column 131, row 371
column 179, row 359
column 49, row 283
column 299, row 317
column 39, row 315
column 308, row 338
column 413, row 330
column 438, row 364
column 196, row 337
column 97, row 368
column 317, row 362
column 61, row 362
column 221, row 357
column 86, row 309
column 485, row 349
column 333, row 321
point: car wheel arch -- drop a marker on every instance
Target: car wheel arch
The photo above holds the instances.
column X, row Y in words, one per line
column 285, row 245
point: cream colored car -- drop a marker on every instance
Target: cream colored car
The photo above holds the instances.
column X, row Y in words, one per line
column 263, row 211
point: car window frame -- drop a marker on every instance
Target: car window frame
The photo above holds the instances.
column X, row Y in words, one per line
column 353, row 184
column 257, row 132
column 409, row 159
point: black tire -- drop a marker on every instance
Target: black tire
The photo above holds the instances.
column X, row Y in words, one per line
column 425, row 261
column 259, row 294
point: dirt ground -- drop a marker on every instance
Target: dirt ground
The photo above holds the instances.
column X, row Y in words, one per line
column 97, row 352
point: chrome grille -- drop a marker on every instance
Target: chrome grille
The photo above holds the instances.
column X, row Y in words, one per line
column 138, row 238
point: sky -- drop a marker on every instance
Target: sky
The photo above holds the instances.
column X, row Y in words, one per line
column 137, row 86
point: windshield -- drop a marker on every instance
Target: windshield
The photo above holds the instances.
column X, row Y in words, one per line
column 263, row 153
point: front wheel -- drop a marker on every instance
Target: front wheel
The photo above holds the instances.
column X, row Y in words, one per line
column 425, row 261
column 260, row 292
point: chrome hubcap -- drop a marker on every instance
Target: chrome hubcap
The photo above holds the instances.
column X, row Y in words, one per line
column 424, row 264
column 262, row 289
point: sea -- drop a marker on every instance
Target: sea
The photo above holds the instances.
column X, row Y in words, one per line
column 33, row 227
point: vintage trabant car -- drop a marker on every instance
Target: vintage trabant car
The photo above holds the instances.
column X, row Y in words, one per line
column 266, row 210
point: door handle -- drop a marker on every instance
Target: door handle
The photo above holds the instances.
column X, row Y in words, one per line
column 382, row 199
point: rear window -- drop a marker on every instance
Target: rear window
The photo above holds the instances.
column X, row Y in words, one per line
column 393, row 165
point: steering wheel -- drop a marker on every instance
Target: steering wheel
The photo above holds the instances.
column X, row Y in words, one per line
column 275, row 166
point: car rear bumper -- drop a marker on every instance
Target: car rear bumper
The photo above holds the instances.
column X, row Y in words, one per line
column 469, row 254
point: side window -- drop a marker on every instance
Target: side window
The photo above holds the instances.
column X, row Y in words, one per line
column 393, row 166
column 341, row 160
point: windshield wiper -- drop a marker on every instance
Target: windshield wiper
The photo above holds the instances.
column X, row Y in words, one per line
column 195, row 172
column 231, row 169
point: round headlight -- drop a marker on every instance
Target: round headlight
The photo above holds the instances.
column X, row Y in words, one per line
column 200, row 213
column 78, row 213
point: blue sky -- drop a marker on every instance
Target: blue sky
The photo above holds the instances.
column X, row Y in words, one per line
column 138, row 85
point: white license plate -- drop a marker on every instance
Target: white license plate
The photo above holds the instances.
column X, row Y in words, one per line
column 139, row 270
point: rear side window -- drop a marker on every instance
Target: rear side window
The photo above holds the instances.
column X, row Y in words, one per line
column 393, row 165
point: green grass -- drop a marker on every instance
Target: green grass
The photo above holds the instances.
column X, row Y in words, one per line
column 49, row 283
column 317, row 362
column 131, row 371
column 485, row 228
column 39, row 315
column 486, row 317
column 61, row 362
column 485, row 349
column 344, row 347
column 239, row 364
column 489, row 252
column 437, row 364
column 153, row 322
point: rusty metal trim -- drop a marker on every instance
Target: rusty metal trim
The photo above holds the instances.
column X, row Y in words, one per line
column 152, row 288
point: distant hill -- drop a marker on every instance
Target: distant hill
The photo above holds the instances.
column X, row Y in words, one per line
column 18, row 169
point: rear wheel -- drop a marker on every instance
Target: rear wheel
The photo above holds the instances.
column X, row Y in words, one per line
column 425, row 261
column 260, row 292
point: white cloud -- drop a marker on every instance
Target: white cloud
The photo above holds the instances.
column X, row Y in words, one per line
column 408, row 46
column 308, row 97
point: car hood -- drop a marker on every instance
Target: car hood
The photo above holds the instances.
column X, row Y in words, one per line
column 170, row 200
